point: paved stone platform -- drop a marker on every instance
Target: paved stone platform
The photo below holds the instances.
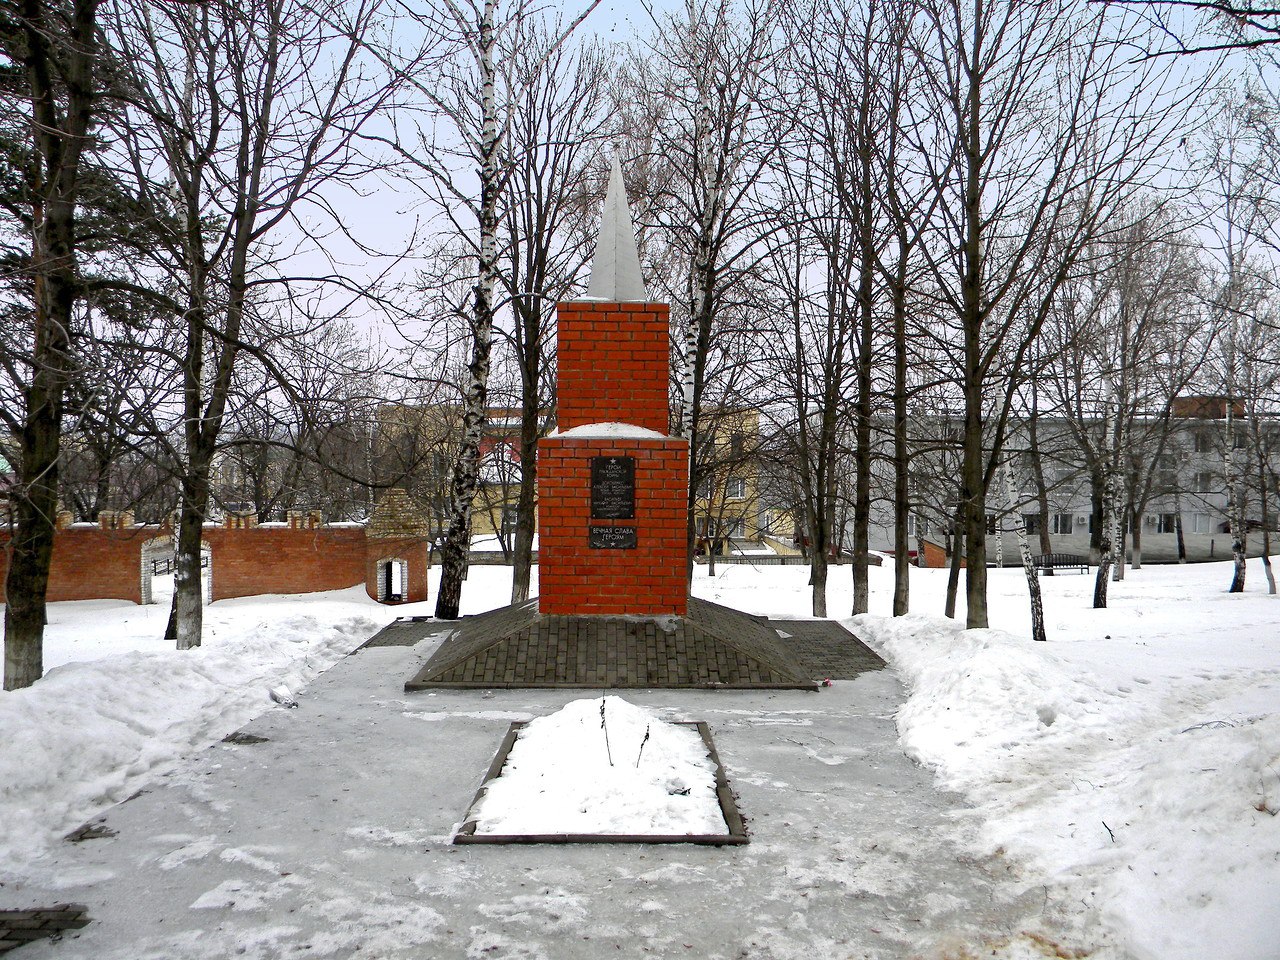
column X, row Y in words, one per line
column 20, row 927
column 329, row 836
column 828, row 650
column 713, row 647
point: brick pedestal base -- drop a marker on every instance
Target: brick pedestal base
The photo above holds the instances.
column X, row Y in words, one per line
column 645, row 580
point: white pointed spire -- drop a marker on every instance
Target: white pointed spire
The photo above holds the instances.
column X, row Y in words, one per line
column 615, row 271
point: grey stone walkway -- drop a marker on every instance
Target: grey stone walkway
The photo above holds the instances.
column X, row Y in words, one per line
column 331, row 838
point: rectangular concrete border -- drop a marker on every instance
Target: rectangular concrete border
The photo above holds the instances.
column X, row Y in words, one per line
column 737, row 835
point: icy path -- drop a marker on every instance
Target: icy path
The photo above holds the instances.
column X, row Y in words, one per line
column 332, row 837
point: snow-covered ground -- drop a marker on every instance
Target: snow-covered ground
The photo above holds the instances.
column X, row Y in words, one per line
column 1131, row 764
column 603, row 765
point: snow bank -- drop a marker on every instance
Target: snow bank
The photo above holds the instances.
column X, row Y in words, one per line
column 90, row 734
column 633, row 773
column 1154, row 798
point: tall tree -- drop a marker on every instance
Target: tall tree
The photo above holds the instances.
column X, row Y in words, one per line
column 55, row 45
column 695, row 118
column 470, row 86
column 1049, row 124
column 554, row 136
column 246, row 111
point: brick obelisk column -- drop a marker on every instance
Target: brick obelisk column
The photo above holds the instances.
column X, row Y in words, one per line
column 612, row 484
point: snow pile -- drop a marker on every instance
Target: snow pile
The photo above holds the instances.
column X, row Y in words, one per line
column 90, row 734
column 610, row 429
column 1157, row 801
column 604, row 766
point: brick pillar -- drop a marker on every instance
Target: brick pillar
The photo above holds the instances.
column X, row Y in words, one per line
column 612, row 370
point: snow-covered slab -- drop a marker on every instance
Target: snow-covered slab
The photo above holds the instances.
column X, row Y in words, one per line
column 605, row 770
column 610, row 429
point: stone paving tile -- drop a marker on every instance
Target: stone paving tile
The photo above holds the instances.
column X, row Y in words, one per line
column 713, row 646
column 20, row 927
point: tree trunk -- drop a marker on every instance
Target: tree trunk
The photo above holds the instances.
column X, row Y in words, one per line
column 866, row 342
column 1264, row 504
column 527, row 505
column 1028, row 565
column 972, row 472
column 901, row 456
column 1119, row 536
column 187, row 616
column 1136, row 534
column 1235, row 507
column 975, row 524
column 466, row 469
column 953, row 574
column 61, row 112
column 1105, row 552
column 1177, row 526
column 818, row 581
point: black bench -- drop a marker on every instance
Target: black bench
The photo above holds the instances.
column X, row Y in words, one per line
column 1047, row 563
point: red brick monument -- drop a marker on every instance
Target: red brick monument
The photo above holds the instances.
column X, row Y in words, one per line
column 612, row 609
column 612, row 483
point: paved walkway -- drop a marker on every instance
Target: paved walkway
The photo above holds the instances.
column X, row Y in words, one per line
column 330, row 838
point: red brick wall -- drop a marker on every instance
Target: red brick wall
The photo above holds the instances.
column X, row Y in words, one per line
column 613, row 361
column 94, row 564
column 91, row 564
column 575, row 579
column 259, row 560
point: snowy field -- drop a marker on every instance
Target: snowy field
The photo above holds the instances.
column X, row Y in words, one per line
column 1132, row 764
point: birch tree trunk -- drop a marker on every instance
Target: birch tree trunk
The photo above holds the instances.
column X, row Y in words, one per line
column 466, row 469
column 1110, row 498
column 1028, row 565
column 1235, row 500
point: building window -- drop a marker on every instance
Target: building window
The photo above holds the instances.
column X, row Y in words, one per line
column 1205, row 481
column 1200, row 523
column 1063, row 523
column 735, row 528
column 1167, row 523
column 735, row 444
column 1031, row 524
column 1204, row 442
column 917, row 526
column 735, row 488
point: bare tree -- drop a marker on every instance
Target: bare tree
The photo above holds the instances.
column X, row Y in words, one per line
column 470, row 87
column 696, row 122
column 56, row 45
column 556, row 127
column 245, row 111
column 1048, row 126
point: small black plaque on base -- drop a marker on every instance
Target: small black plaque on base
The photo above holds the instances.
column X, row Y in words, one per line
column 611, row 538
column 613, row 488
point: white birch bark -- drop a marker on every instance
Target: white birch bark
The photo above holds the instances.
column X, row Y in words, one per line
column 1235, row 499
column 466, row 469
column 1028, row 565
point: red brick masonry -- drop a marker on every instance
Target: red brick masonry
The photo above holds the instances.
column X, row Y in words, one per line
column 90, row 563
column 613, row 361
column 575, row 579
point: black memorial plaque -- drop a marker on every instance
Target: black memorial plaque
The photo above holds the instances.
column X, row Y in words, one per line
column 613, row 488
column 611, row 538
